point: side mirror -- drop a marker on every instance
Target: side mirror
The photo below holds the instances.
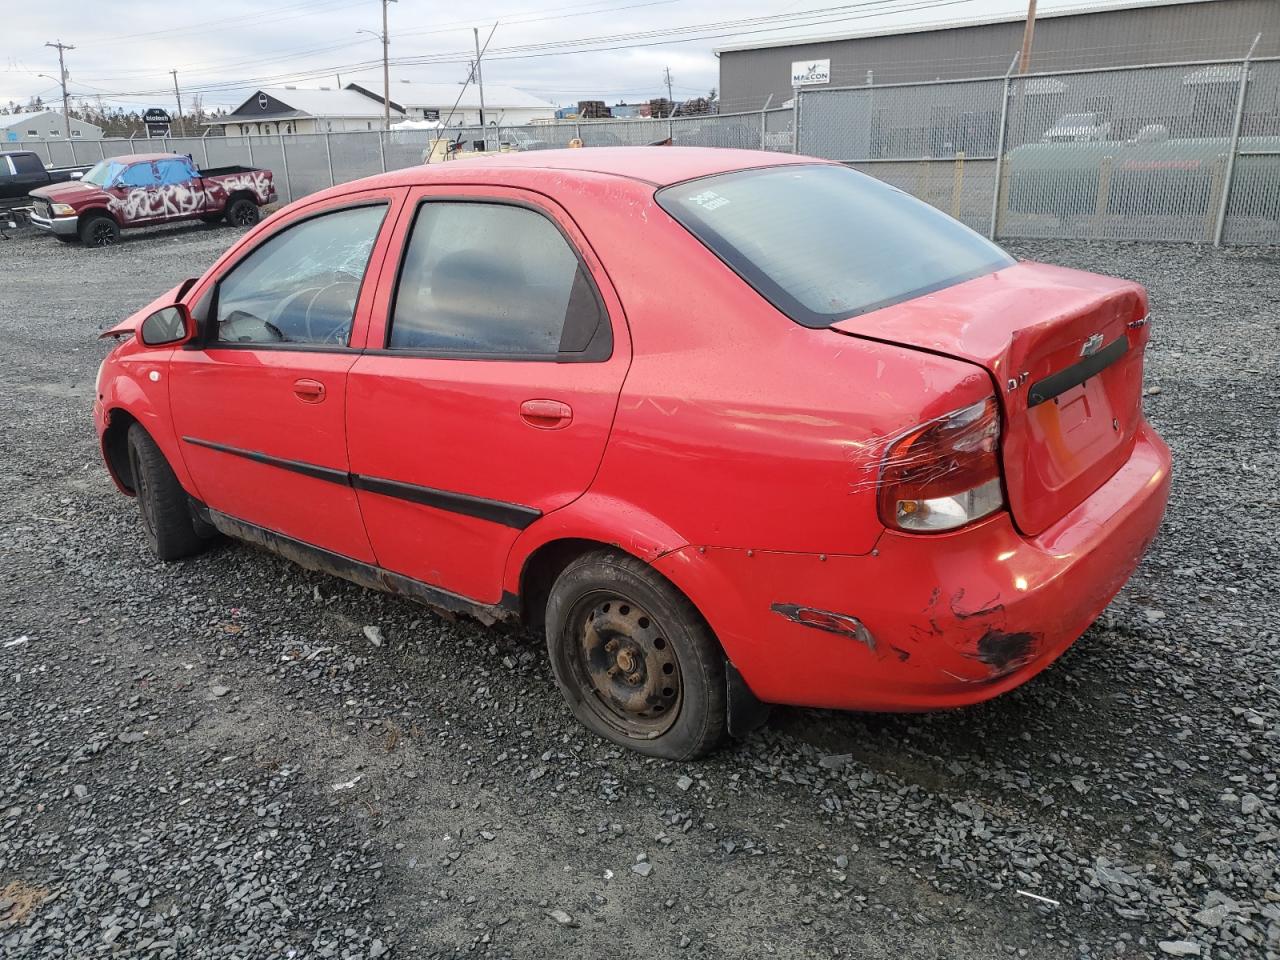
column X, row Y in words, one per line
column 77, row 174
column 167, row 325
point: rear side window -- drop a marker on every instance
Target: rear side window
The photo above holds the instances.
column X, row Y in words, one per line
column 26, row 163
column 175, row 171
column 822, row 242
column 492, row 279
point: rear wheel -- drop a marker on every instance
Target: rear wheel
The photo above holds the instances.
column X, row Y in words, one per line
column 634, row 658
column 99, row 230
column 243, row 212
column 166, row 515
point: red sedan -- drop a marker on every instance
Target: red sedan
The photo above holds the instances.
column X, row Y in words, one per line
column 734, row 428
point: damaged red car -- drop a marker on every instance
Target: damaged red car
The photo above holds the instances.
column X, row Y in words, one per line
column 732, row 428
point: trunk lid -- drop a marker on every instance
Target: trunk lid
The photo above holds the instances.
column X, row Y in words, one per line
column 1065, row 349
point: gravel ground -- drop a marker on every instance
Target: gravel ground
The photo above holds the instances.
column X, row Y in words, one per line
column 211, row 760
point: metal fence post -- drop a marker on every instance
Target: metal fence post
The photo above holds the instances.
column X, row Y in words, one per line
column 957, row 184
column 997, row 189
column 48, row 151
column 132, row 148
column 382, row 152
column 1241, row 94
column 764, row 123
column 795, row 119
column 102, row 150
column 284, row 161
column 74, row 159
column 328, row 158
column 249, row 140
column 204, row 142
column 577, row 131
column 671, row 125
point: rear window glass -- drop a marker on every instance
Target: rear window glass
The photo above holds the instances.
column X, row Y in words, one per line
column 822, row 242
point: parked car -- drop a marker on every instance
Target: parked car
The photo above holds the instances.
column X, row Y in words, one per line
column 1078, row 128
column 22, row 171
column 847, row 453
column 146, row 189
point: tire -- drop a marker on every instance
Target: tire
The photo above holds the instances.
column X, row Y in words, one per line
column 166, row 516
column 634, row 659
column 243, row 212
column 99, row 230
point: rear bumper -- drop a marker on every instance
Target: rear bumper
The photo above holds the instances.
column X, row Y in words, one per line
column 950, row 619
column 63, row 226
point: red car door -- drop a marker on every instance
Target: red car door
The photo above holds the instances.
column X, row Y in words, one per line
column 258, row 403
column 496, row 354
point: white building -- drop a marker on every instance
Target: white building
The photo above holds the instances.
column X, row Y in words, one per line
column 456, row 106
column 274, row 110
column 43, row 125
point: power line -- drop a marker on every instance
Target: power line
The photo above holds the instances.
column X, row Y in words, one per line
column 62, row 48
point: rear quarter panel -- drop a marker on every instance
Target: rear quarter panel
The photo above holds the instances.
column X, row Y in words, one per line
column 737, row 427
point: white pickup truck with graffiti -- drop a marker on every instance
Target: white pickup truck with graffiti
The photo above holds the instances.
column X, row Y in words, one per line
column 142, row 190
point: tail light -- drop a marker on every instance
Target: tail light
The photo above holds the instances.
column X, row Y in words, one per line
column 944, row 473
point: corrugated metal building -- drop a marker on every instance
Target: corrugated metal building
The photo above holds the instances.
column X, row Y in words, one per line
column 1140, row 32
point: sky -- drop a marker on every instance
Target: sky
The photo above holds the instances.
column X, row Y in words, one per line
column 560, row 50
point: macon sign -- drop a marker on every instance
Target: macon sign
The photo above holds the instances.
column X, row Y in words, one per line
column 806, row 72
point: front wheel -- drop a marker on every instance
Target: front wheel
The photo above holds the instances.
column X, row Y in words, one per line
column 166, row 515
column 634, row 658
column 99, row 230
column 243, row 212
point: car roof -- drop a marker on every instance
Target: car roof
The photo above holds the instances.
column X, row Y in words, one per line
column 659, row 166
column 145, row 157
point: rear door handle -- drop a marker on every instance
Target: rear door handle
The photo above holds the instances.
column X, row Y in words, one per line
column 308, row 391
column 546, row 414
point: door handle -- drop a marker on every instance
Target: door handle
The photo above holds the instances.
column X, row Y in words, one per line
column 546, row 414
column 308, row 391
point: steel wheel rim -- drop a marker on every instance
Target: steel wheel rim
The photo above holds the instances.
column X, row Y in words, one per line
column 624, row 665
column 103, row 235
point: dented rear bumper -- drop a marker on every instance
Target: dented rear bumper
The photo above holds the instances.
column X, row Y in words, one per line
column 947, row 619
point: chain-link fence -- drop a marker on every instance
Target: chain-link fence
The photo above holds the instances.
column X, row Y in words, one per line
column 1182, row 152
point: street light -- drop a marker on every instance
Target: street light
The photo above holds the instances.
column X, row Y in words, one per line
column 386, row 68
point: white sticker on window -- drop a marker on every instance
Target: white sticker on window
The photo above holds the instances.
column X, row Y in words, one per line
column 709, row 200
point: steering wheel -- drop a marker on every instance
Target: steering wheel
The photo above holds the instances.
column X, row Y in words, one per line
column 335, row 334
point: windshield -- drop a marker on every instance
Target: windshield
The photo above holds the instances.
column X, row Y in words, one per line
column 103, row 173
column 823, row 243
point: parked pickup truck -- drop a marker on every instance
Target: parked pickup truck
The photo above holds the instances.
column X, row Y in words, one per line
column 22, row 171
column 146, row 189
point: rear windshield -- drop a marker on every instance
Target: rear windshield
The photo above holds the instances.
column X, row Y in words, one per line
column 822, row 242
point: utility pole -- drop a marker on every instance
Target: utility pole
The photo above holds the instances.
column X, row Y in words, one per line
column 182, row 127
column 386, row 69
column 671, row 103
column 480, row 85
column 1028, row 32
column 62, row 75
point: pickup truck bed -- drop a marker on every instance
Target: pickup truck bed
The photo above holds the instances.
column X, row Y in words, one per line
column 22, row 171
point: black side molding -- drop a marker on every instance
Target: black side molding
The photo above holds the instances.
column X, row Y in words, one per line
column 497, row 511
column 513, row 515
column 1076, row 374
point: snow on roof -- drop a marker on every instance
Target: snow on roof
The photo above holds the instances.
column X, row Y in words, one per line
column 412, row 94
column 321, row 103
column 13, row 119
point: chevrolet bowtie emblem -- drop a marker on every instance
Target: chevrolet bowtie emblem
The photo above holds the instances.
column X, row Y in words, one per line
column 1090, row 346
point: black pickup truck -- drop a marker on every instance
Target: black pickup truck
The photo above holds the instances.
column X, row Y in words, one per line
column 22, row 171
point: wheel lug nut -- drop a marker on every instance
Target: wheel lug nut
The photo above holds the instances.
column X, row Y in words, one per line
column 633, row 678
